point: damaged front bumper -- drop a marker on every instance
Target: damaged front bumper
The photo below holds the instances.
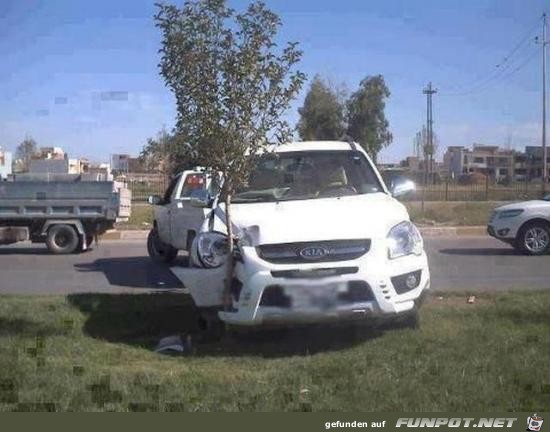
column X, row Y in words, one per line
column 264, row 293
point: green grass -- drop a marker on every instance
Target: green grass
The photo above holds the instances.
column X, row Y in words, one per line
column 451, row 213
column 95, row 352
column 435, row 213
column 141, row 217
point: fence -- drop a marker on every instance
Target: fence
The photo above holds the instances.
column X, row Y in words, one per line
column 486, row 191
column 143, row 185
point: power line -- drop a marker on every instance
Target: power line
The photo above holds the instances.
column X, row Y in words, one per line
column 508, row 62
column 501, row 77
column 521, row 42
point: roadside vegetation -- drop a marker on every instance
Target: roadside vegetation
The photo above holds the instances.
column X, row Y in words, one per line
column 450, row 213
column 141, row 218
column 436, row 213
column 95, row 352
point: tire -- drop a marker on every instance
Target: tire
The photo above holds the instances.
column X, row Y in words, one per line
column 159, row 251
column 534, row 238
column 62, row 239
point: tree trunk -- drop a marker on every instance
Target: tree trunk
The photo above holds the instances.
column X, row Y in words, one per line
column 227, row 300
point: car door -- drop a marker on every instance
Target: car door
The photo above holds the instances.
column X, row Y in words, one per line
column 163, row 210
column 186, row 219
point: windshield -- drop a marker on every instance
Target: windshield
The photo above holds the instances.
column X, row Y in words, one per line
column 309, row 175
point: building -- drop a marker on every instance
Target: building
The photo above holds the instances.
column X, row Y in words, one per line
column 55, row 153
column 491, row 161
column 49, row 166
column 532, row 162
column 101, row 171
column 120, row 162
column 78, row 166
column 124, row 163
column 5, row 164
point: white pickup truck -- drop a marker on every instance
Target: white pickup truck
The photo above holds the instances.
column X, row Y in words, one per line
column 318, row 237
column 176, row 219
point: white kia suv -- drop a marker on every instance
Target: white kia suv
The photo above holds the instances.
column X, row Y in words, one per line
column 319, row 237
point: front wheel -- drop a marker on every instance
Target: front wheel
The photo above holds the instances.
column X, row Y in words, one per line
column 159, row 251
column 534, row 238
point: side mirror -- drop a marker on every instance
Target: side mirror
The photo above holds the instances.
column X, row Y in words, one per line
column 200, row 198
column 154, row 199
column 401, row 186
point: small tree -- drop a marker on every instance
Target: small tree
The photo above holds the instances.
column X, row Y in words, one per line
column 24, row 153
column 367, row 123
column 322, row 117
column 231, row 86
column 166, row 153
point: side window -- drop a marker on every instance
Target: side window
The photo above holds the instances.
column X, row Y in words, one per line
column 170, row 190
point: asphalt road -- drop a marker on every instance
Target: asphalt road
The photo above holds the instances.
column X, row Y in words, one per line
column 123, row 267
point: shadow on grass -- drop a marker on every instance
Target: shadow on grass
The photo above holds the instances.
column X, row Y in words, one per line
column 134, row 272
column 143, row 319
column 23, row 327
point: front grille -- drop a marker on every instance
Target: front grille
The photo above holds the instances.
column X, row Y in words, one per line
column 357, row 291
column 274, row 295
column 319, row 251
column 314, row 273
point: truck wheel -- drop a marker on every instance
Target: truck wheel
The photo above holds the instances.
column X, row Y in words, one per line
column 159, row 251
column 62, row 239
column 534, row 238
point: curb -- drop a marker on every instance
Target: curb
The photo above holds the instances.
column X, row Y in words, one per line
column 125, row 235
column 465, row 231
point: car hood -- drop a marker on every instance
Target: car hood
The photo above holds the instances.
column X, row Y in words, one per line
column 350, row 217
column 526, row 205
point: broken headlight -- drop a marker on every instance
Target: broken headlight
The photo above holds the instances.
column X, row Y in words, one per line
column 404, row 239
column 212, row 249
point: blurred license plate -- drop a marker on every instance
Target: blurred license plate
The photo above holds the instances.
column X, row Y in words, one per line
column 315, row 296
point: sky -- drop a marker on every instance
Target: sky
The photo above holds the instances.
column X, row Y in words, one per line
column 83, row 75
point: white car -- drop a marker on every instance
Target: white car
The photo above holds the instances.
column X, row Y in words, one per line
column 524, row 225
column 319, row 237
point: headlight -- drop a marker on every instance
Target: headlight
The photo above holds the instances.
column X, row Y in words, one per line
column 404, row 239
column 212, row 249
column 504, row 214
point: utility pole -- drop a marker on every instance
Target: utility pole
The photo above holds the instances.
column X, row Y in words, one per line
column 544, row 153
column 429, row 91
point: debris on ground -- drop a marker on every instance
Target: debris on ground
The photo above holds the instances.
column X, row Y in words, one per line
column 471, row 299
column 174, row 344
